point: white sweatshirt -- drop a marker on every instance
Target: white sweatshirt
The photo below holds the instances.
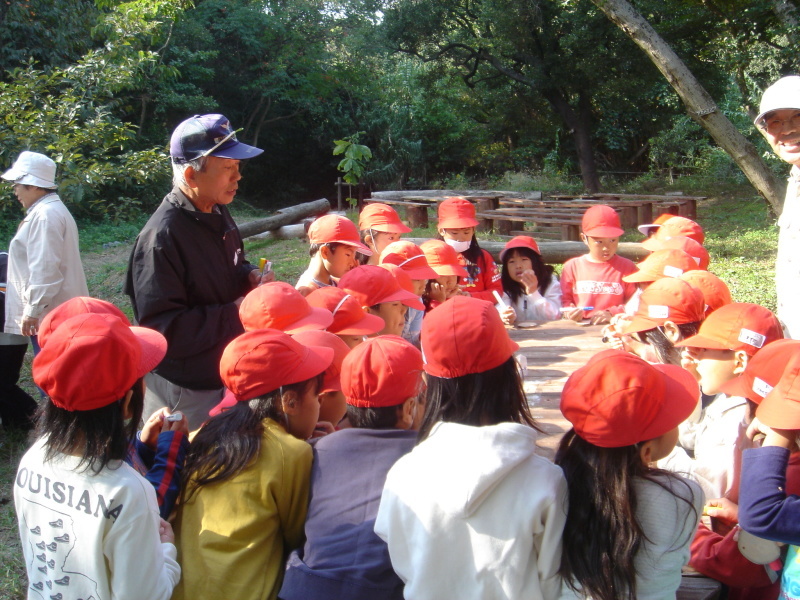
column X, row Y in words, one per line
column 474, row 513
column 90, row 536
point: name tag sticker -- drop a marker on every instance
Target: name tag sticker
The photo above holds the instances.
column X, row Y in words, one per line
column 753, row 338
column 657, row 311
column 670, row 271
column 761, row 387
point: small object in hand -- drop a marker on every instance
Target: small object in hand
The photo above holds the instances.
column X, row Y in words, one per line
column 176, row 416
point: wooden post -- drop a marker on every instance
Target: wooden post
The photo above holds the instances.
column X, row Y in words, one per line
column 339, row 194
column 482, row 205
column 417, row 215
column 502, row 227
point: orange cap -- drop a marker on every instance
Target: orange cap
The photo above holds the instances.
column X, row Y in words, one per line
column 520, row 241
column 381, row 217
column 443, row 259
column 325, row 339
column 463, row 336
column 457, row 213
column 371, row 285
column 763, row 371
column 780, row 408
column 662, row 263
column 667, row 299
column 277, row 305
column 331, row 229
column 383, row 371
column 617, row 399
column 349, row 317
column 261, row 361
column 91, row 360
column 678, row 226
column 737, row 326
column 681, row 242
column 79, row 305
column 409, row 257
column 404, row 279
column 601, row 221
column 715, row 291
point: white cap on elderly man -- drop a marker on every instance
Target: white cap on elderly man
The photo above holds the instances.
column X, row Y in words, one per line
column 783, row 94
column 32, row 168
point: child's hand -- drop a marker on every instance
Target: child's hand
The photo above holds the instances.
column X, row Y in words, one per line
column 153, row 427
column 509, row 315
column 722, row 509
column 600, row 317
column 529, row 281
column 782, row 438
column 613, row 338
column 457, row 291
column 576, row 314
column 165, row 532
column 437, row 293
column 181, row 424
column 689, row 362
column 322, row 429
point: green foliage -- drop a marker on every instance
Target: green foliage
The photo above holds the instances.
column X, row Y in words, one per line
column 356, row 157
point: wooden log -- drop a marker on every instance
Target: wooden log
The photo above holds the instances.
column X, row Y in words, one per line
column 558, row 252
column 287, row 232
column 285, row 216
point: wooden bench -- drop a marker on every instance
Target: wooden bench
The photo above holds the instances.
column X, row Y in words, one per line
column 502, row 222
column 416, row 212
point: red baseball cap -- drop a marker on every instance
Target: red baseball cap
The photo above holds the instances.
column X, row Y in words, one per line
column 405, row 282
column 456, row 213
column 681, row 242
column 617, row 399
column 662, row 263
column 80, row 305
column 667, row 299
column 332, row 228
column 443, row 259
column 737, row 326
column 325, row 339
column 763, row 371
column 409, row 257
column 601, row 221
column 91, row 360
column 277, row 305
column 371, row 285
column 645, row 229
column 381, row 217
column 462, row 336
column 383, row 371
column 677, row 226
column 715, row 291
column 520, row 241
column 780, row 408
column 261, row 361
column 349, row 317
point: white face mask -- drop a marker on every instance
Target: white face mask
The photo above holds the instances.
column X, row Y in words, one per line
column 459, row 246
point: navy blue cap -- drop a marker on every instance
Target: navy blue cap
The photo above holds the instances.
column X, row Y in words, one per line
column 208, row 135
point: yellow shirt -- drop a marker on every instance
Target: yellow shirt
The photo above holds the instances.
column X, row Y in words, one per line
column 233, row 537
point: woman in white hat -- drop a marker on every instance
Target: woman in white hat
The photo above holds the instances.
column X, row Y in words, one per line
column 44, row 266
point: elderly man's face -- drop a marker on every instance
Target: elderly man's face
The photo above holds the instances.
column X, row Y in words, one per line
column 782, row 130
column 216, row 183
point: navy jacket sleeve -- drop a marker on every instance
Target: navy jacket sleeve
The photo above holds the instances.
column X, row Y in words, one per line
column 165, row 471
column 764, row 508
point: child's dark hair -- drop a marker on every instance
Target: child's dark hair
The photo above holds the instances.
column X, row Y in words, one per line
column 314, row 248
column 230, row 441
column 471, row 254
column 378, row 417
column 487, row 398
column 666, row 351
column 543, row 272
column 101, row 434
column 602, row 533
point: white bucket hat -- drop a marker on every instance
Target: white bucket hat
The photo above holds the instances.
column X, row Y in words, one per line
column 32, row 168
column 783, row 94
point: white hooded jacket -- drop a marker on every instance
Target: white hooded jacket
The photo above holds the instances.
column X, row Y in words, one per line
column 473, row 512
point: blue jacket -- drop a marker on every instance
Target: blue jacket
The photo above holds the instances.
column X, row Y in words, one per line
column 342, row 556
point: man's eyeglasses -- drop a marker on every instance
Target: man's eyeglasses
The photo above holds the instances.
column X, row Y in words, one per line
column 773, row 125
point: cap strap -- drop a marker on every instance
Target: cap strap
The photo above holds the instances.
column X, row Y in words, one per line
column 410, row 259
column 338, row 306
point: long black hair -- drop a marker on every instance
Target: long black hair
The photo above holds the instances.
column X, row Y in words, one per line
column 487, row 398
column 543, row 272
column 101, row 435
column 602, row 534
column 665, row 350
column 230, row 441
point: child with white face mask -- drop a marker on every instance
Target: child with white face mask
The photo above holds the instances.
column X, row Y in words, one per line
column 457, row 224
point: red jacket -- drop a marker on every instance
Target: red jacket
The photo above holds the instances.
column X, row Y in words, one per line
column 486, row 277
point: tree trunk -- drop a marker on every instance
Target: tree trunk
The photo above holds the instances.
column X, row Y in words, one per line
column 787, row 14
column 700, row 105
column 285, row 216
